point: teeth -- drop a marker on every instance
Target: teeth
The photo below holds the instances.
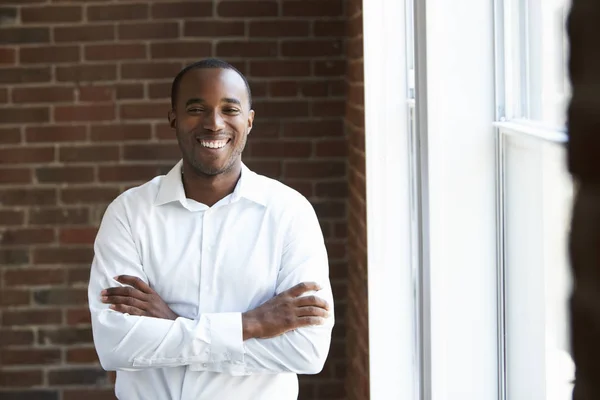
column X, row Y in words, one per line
column 213, row 144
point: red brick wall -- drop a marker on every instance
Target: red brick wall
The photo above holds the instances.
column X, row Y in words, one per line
column 84, row 89
column 357, row 320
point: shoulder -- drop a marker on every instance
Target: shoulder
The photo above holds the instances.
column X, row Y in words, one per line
column 281, row 198
column 136, row 200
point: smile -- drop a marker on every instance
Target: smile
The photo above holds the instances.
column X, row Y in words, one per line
column 213, row 144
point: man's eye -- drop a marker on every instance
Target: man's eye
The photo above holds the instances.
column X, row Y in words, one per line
column 195, row 110
column 231, row 110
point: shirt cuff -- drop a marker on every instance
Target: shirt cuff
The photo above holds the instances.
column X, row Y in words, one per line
column 226, row 337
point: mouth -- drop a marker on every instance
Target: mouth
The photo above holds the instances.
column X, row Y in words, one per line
column 213, row 144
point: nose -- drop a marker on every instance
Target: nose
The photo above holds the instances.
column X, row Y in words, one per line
column 214, row 122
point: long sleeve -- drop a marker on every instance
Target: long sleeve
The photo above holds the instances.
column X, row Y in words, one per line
column 126, row 342
column 302, row 351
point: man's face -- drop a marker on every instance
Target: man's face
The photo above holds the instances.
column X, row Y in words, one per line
column 212, row 119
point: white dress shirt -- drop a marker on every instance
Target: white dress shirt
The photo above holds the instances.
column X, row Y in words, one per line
column 209, row 264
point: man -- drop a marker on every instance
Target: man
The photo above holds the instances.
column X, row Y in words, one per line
column 210, row 282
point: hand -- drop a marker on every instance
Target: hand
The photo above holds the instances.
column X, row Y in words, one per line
column 285, row 312
column 140, row 299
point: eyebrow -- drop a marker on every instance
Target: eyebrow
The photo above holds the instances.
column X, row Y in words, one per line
column 223, row 100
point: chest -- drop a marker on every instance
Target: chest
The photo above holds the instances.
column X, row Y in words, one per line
column 219, row 260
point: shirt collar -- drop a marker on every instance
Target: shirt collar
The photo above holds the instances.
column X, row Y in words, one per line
column 249, row 186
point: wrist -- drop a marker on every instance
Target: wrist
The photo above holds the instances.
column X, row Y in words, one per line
column 250, row 327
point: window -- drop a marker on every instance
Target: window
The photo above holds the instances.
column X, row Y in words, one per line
column 534, row 200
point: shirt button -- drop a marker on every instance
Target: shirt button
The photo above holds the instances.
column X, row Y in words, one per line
column 204, row 365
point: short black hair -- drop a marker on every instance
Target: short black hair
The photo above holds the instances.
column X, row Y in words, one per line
column 206, row 63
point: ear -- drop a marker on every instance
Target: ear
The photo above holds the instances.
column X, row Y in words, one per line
column 172, row 119
column 250, row 120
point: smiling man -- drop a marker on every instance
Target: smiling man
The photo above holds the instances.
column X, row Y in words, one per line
column 210, row 282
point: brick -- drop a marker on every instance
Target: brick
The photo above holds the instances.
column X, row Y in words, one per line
column 12, row 217
column 24, row 35
column 214, row 29
column 324, row 128
column 8, row 56
column 11, row 297
column 313, row 8
column 30, row 357
column 78, row 235
column 31, row 317
column 13, row 256
column 311, row 48
column 13, row 337
column 137, row 111
column 60, row 297
column 87, row 73
column 128, row 173
column 79, row 316
column 65, row 336
column 48, row 14
column 96, row 93
column 24, row 379
column 355, row 71
column 3, row 95
column 160, row 90
column 327, row 108
column 182, row 9
column 149, row 70
column 88, row 195
column 26, row 236
column 79, row 275
column 355, row 27
column 129, row 91
column 78, row 376
column 19, row 75
column 281, row 109
column 179, row 49
column 65, row 174
column 8, row 15
column 83, row 355
column 164, row 132
column 9, row 135
column 88, row 154
column 279, row 68
column 248, row 8
column 284, row 89
column 62, row 256
column 280, row 149
column 356, row 94
column 116, row 52
column 149, row 152
column 95, row 394
column 121, row 133
column 117, row 12
column 315, row 89
column 330, row 68
column 59, row 216
column 55, row 133
column 26, row 155
column 30, row 394
column 332, row 148
column 150, row 30
column 315, row 169
column 84, row 113
column 247, row 49
column 79, row 34
column 48, row 94
column 354, row 48
column 279, row 28
column 329, row 28
column 25, row 197
column 14, row 176
column 34, row 277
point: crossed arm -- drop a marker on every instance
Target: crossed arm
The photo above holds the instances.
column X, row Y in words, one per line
column 289, row 333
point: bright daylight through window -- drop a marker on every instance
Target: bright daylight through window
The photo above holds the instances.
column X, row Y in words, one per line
column 535, row 193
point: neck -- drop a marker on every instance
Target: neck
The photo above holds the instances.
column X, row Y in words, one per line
column 207, row 189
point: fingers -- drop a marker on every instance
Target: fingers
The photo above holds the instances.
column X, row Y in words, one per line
column 135, row 282
column 125, row 309
column 311, row 312
column 310, row 321
column 125, row 291
column 311, row 301
column 125, row 300
column 302, row 288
